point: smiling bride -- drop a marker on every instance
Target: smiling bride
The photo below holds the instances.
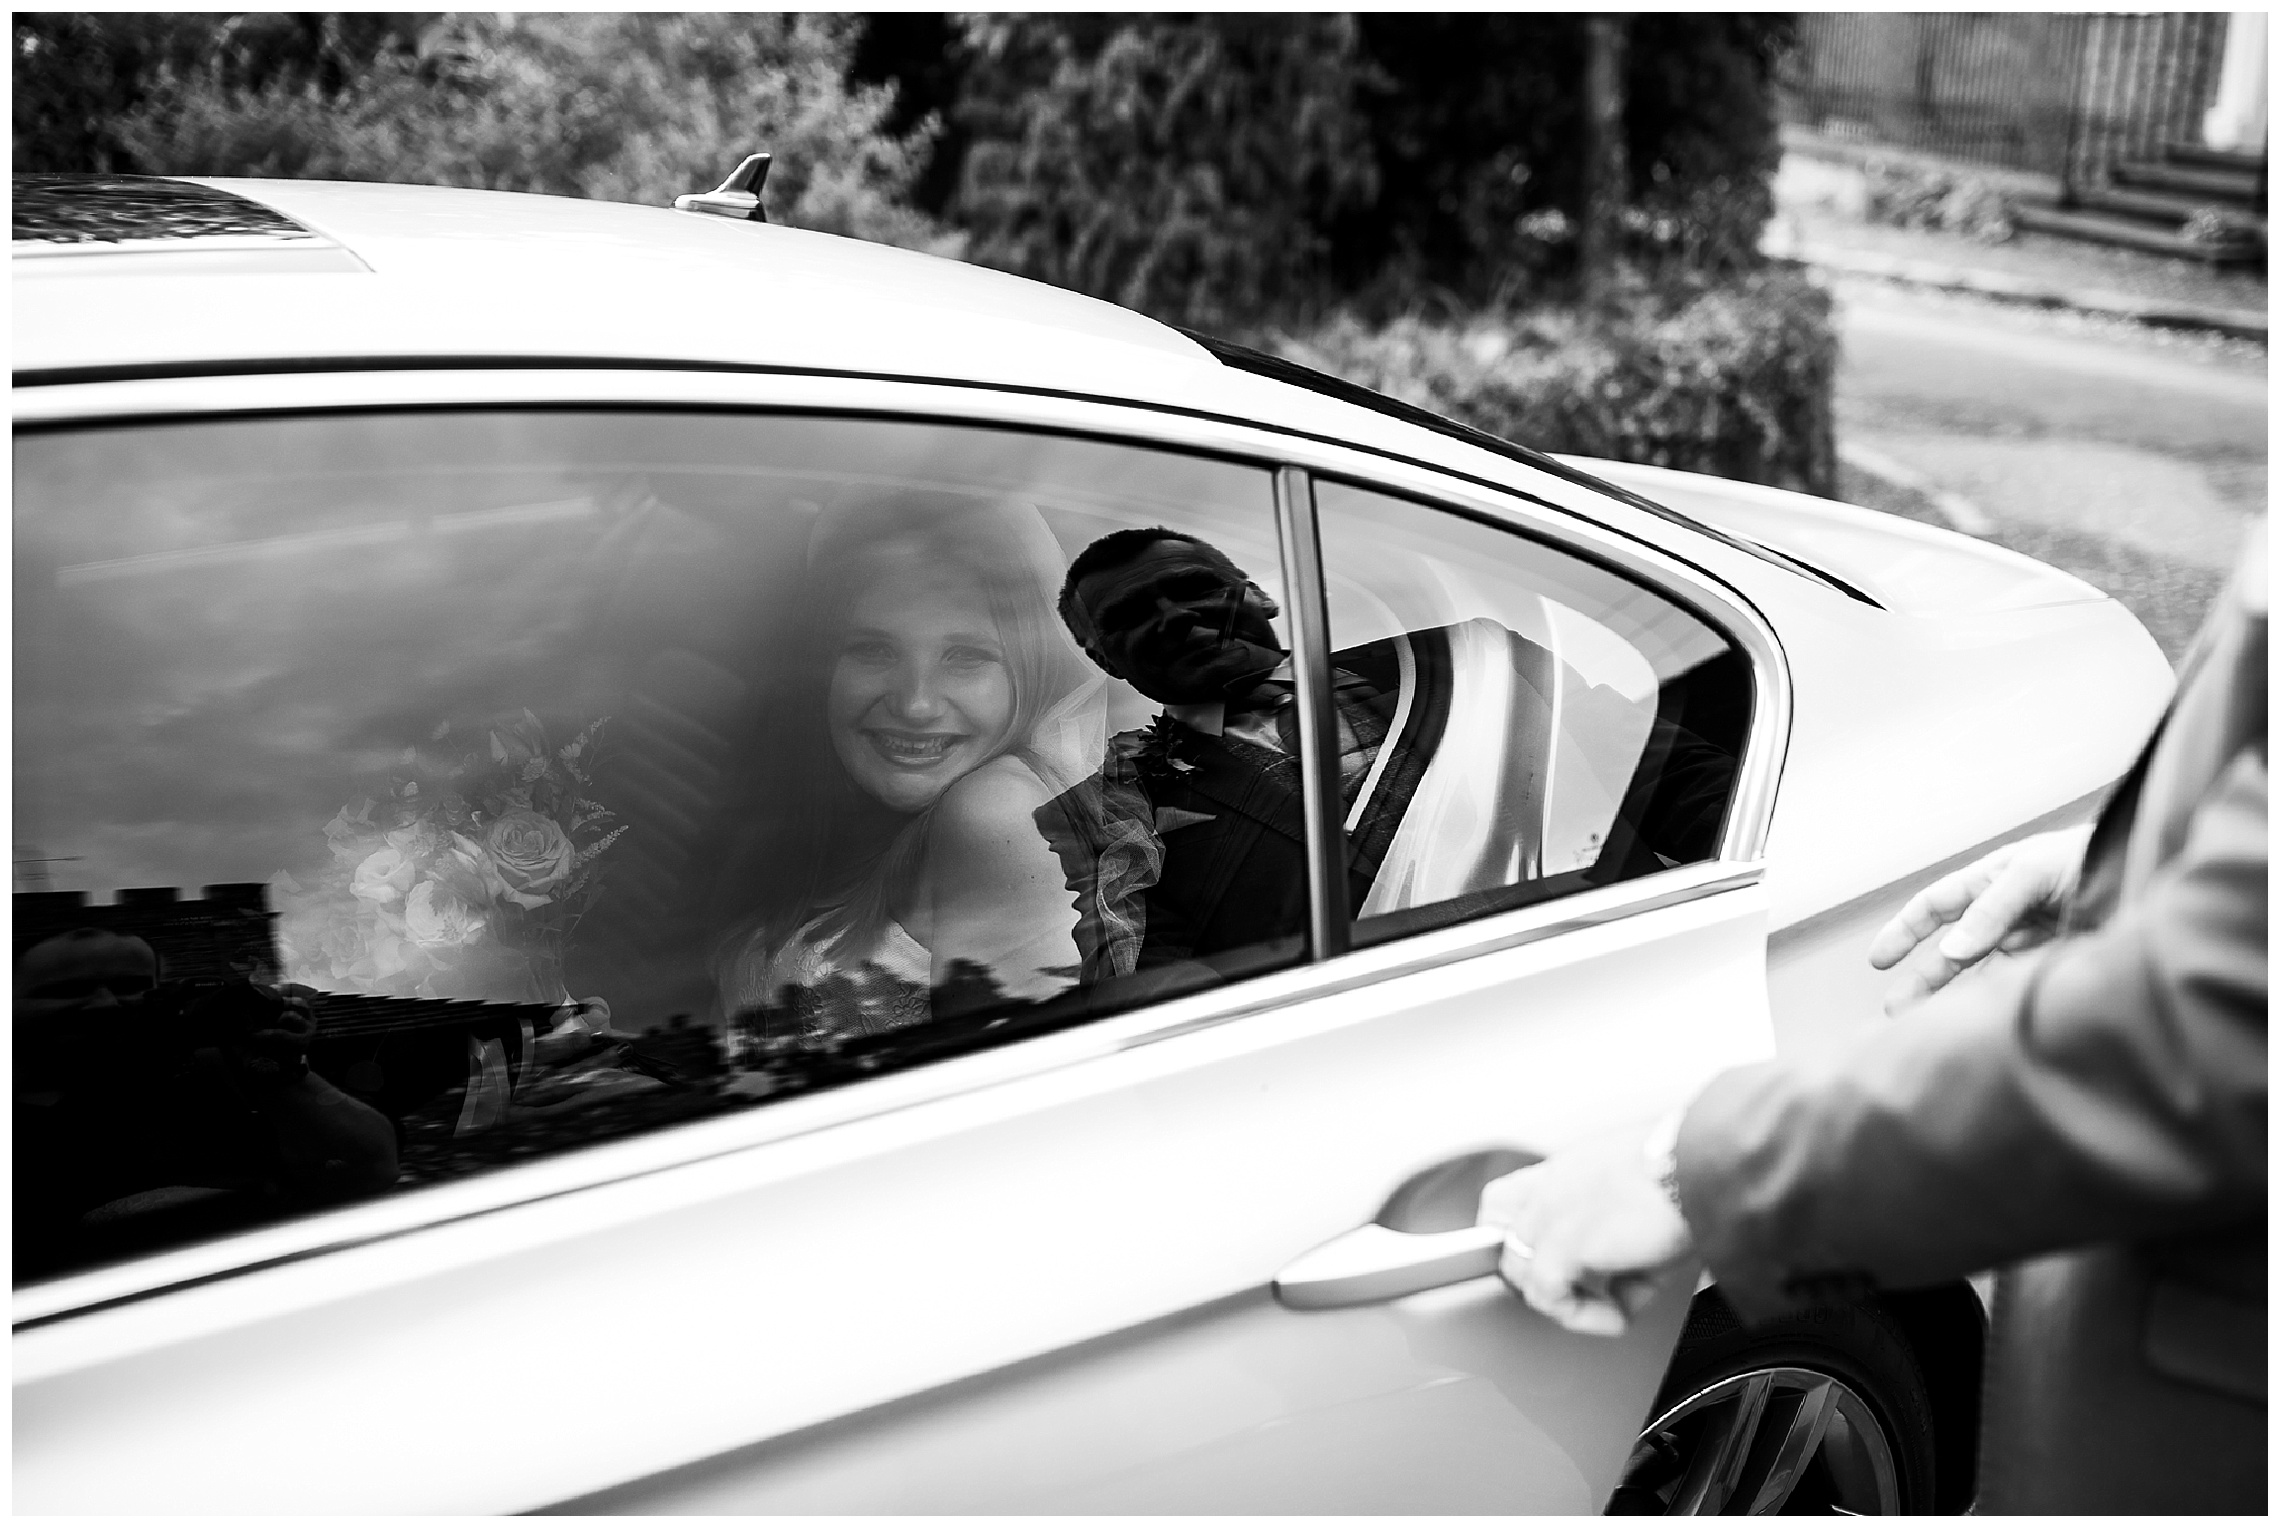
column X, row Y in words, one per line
column 953, row 706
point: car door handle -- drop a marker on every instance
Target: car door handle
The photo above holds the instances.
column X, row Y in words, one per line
column 1423, row 1238
column 1375, row 1262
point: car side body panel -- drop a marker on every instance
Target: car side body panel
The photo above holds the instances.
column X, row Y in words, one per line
column 558, row 1347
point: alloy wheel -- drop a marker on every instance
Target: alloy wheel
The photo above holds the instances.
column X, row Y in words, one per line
column 1769, row 1441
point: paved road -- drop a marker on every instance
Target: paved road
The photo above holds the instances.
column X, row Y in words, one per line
column 2129, row 456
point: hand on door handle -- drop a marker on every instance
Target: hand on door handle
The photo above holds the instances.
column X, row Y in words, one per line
column 1423, row 1238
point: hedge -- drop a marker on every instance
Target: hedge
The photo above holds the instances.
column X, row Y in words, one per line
column 635, row 106
column 1269, row 167
column 1732, row 379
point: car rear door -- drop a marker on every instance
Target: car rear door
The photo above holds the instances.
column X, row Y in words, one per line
column 1205, row 1253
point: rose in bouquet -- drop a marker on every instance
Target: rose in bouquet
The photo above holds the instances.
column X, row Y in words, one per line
column 464, row 878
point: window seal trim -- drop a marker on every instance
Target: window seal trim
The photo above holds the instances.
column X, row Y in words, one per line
column 93, row 1291
column 1330, row 930
column 1420, row 952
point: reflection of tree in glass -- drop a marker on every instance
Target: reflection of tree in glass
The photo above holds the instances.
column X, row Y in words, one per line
column 687, row 1053
column 966, row 989
column 767, row 1030
column 870, row 1017
column 835, row 1008
column 771, row 1051
column 837, row 995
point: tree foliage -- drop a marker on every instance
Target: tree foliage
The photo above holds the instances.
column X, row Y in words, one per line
column 621, row 107
column 74, row 73
column 1198, row 166
column 1705, row 138
column 1207, row 168
column 1189, row 166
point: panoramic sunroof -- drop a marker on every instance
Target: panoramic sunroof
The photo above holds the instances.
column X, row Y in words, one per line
column 109, row 209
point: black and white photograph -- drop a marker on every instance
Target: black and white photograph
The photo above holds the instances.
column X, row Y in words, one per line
column 1139, row 764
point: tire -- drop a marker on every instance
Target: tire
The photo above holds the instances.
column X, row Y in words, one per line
column 1818, row 1412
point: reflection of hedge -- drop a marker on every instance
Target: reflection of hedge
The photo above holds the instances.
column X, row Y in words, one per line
column 1732, row 379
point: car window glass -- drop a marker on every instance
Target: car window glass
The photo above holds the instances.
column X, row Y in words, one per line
column 1515, row 721
column 400, row 794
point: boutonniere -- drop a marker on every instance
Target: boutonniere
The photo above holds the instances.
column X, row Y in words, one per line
column 1164, row 746
column 1152, row 746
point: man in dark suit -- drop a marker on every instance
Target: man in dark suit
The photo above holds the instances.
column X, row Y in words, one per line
column 2092, row 1118
column 1200, row 814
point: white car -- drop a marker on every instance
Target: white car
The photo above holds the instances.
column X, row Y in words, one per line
column 471, row 593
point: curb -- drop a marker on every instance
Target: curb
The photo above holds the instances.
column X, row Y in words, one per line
column 1859, row 154
column 2234, row 323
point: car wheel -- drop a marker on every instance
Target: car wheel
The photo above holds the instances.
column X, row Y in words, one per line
column 1820, row 1412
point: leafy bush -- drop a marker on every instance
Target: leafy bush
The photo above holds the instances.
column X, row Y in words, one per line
column 77, row 72
column 2219, row 226
column 73, row 72
column 1909, row 195
column 1704, row 133
column 1477, row 124
column 1198, row 166
column 1185, row 166
column 1731, row 378
column 620, row 107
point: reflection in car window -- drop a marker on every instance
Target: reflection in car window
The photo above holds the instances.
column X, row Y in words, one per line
column 401, row 794
column 1517, row 722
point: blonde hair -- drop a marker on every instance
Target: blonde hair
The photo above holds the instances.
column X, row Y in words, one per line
column 1015, row 562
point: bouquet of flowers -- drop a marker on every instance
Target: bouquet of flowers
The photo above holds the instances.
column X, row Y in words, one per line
column 465, row 881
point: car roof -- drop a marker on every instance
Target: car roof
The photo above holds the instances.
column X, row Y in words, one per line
column 441, row 271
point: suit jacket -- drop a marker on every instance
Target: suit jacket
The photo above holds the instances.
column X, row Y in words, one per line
column 2093, row 1117
column 1230, row 816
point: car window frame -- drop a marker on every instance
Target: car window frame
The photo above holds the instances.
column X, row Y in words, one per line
column 1305, row 572
column 1295, row 458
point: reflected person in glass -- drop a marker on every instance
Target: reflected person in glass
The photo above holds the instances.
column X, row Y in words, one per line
column 1212, row 855
column 953, row 706
column 149, row 1110
column 1217, row 837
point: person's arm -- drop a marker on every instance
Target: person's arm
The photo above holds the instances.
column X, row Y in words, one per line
column 328, row 1146
column 331, row 1146
column 2113, row 1089
column 998, row 896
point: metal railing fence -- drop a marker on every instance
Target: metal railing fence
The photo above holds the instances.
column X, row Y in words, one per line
column 2068, row 95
